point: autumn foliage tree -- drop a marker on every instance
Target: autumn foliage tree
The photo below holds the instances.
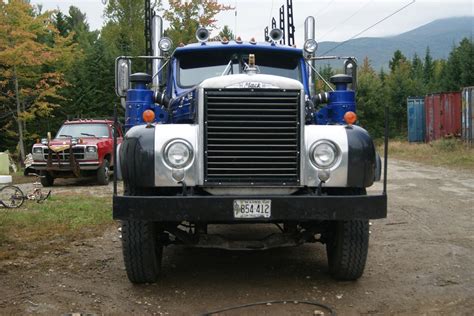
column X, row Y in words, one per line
column 32, row 55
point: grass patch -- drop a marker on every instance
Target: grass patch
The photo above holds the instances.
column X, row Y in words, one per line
column 36, row 227
column 444, row 152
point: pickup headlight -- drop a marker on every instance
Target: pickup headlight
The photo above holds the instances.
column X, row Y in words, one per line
column 178, row 153
column 37, row 150
column 91, row 149
column 324, row 154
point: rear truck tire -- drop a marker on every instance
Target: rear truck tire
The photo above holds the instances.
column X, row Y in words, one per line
column 347, row 247
column 103, row 173
column 47, row 180
column 142, row 251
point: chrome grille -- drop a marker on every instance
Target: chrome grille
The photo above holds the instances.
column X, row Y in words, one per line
column 252, row 136
column 64, row 155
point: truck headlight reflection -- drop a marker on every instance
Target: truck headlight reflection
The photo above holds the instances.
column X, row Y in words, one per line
column 324, row 154
column 178, row 153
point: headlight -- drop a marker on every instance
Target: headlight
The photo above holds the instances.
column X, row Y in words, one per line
column 91, row 149
column 37, row 150
column 165, row 44
column 178, row 153
column 324, row 154
column 73, row 141
column 310, row 46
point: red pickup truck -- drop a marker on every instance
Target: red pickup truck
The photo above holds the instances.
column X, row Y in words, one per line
column 81, row 148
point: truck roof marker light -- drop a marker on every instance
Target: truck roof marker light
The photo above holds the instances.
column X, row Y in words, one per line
column 350, row 117
column 181, row 44
column 252, row 41
column 224, row 40
column 238, row 40
column 149, row 116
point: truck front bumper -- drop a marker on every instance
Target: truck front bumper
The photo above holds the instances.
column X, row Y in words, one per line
column 65, row 166
column 219, row 209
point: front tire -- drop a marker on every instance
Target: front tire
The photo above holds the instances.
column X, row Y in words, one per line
column 46, row 179
column 103, row 173
column 347, row 248
column 142, row 251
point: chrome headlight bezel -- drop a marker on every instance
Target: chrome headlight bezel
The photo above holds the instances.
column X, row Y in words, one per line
column 165, row 44
column 310, row 46
column 93, row 151
column 336, row 152
column 170, row 145
column 37, row 150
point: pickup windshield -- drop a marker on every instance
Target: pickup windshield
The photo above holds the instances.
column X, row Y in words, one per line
column 197, row 66
column 83, row 130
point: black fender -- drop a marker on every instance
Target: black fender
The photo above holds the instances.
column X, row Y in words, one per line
column 137, row 157
column 362, row 158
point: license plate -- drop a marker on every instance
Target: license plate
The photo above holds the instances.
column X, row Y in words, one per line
column 252, row 208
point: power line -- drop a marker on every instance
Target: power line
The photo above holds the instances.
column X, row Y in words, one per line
column 338, row 25
column 368, row 28
column 325, row 8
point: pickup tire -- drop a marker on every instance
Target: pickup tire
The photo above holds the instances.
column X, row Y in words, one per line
column 347, row 248
column 103, row 173
column 46, row 179
column 142, row 251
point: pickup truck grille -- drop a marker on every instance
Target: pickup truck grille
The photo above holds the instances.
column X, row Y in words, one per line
column 64, row 155
column 251, row 137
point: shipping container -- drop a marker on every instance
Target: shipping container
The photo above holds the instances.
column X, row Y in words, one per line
column 433, row 117
column 443, row 115
column 467, row 122
column 416, row 119
column 451, row 114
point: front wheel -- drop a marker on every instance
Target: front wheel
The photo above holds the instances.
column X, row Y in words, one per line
column 47, row 180
column 11, row 196
column 103, row 173
column 347, row 247
column 142, row 251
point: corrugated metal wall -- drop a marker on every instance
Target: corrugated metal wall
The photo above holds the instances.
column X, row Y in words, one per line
column 416, row 119
column 467, row 121
column 443, row 115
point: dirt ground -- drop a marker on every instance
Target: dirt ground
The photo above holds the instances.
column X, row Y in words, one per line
column 421, row 261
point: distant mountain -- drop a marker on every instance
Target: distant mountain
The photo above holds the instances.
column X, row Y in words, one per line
column 439, row 35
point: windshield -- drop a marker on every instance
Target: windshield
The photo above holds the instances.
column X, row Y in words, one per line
column 83, row 130
column 198, row 66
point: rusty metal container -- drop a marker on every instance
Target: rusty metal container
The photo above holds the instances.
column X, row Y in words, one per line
column 443, row 115
column 451, row 114
column 416, row 119
column 433, row 117
column 467, row 121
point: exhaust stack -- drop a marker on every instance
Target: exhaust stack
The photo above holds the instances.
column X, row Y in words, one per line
column 310, row 33
column 156, row 35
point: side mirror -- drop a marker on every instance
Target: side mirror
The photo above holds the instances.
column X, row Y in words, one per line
column 123, row 68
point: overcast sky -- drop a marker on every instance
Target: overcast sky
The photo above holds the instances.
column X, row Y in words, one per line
column 336, row 20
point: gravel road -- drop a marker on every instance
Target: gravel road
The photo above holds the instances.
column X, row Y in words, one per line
column 421, row 261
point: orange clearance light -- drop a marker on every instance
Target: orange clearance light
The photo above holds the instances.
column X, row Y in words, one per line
column 225, row 40
column 148, row 116
column 350, row 117
column 238, row 40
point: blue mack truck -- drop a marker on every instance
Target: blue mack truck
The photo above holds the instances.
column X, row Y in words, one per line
column 232, row 132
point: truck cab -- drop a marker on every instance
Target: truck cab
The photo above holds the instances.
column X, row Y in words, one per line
column 236, row 135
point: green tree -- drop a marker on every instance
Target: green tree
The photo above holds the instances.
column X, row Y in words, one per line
column 185, row 17
column 227, row 33
column 370, row 100
column 397, row 59
column 459, row 69
column 428, row 68
column 399, row 86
